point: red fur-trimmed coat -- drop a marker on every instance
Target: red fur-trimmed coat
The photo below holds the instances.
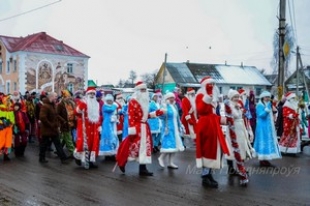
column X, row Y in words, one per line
column 188, row 118
column 290, row 140
column 139, row 134
column 210, row 141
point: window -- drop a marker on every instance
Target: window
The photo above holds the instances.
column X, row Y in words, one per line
column 8, row 67
column 15, row 65
column 70, row 87
column 233, row 87
column 239, row 88
column 15, row 86
column 1, row 67
column 70, row 68
column 8, row 87
column 220, row 88
column 258, row 91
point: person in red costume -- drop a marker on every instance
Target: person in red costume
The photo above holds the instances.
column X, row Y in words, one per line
column 88, row 128
column 210, row 141
column 189, row 116
column 119, row 100
column 138, row 145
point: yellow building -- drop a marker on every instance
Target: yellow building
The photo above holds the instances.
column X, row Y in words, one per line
column 40, row 62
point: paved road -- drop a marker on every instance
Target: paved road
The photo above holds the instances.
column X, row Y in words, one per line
column 24, row 181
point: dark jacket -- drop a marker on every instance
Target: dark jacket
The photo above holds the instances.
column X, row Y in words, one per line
column 66, row 123
column 49, row 119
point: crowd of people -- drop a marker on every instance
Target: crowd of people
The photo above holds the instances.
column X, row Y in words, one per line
column 92, row 124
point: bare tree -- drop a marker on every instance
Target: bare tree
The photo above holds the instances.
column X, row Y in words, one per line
column 290, row 39
column 120, row 83
column 132, row 76
column 149, row 79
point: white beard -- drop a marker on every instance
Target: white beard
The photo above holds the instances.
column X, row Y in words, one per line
column 293, row 104
column 120, row 102
column 143, row 99
column 92, row 109
column 15, row 98
column 243, row 99
column 192, row 101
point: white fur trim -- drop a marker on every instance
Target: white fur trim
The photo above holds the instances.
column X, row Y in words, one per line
column 132, row 131
column 141, row 86
column 92, row 156
column 78, row 110
column 232, row 93
column 91, row 91
column 119, row 132
column 170, row 150
column 153, row 114
column 208, row 81
column 169, row 95
column 211, row 163
column 143, row 157
column 290, row 96
column 188, row 117
column 207, row 99
column 223, row 121
column 191, row 92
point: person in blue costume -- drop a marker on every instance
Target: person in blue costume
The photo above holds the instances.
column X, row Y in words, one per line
column 171, row 141
column 265, row 143
column 125, row 113
column 109, row 142
column 155, row 123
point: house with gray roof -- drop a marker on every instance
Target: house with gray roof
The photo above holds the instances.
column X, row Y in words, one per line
column 188, row 74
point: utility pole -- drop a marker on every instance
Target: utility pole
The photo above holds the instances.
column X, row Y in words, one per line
column 297, row 71
column 281, row 53
column 164, row 73
column 303, row 73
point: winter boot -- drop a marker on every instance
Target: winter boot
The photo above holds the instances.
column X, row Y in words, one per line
column 143, row 171
column 208, row 181
column 231, row 171
column 171, row 164
column 161, row 159
column 6, row 157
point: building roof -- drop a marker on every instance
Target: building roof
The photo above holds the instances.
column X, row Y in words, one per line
column 192, row 73
column 272, row 78
column 180, row 73
column 41, row 43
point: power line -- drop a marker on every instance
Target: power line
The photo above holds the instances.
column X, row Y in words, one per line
column 29, row 11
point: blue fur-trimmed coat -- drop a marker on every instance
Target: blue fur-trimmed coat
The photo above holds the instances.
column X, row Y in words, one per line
column 154, row 123
column 265, row 142
column 109, row 142
column 171, row 131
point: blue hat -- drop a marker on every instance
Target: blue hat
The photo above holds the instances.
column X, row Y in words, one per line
column 265, row 94
column 98, row 94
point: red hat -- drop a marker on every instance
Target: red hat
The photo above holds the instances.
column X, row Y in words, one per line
column 290, row 95
column 118, row 95
column 157, row 91
column 91, row 90
column 190, row 91
column 140, row 85
column 207, row 80
column 241, row 91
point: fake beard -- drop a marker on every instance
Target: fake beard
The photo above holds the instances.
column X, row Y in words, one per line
column 293, row 103
column 15, row 98
column 121, row 102
column 92, row 109
column 192, row 101
column 144, row 99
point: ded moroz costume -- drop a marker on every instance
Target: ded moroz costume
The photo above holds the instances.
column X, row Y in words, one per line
column 210, row 141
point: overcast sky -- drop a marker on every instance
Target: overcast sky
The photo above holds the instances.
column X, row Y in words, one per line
column 124, row 35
